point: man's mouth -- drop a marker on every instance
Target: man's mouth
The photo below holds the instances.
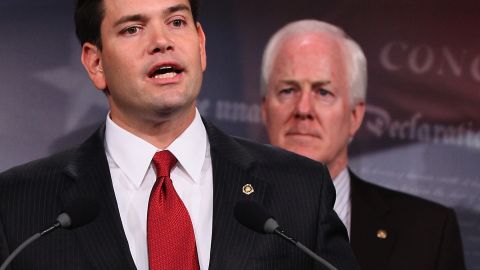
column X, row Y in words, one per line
column 309, row 133
column 164, row 72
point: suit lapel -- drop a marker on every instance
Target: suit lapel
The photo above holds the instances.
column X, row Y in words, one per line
column 103, row 241
column 372, row 236
column 233, row 174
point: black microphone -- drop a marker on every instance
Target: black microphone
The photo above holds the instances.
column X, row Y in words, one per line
column 80, row 212
column 253, row 216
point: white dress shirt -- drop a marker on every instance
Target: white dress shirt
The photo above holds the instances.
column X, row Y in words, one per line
column 343, row 203
column 133, row 176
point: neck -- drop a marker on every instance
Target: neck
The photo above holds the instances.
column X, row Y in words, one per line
column 336, row 166
column 160, row 131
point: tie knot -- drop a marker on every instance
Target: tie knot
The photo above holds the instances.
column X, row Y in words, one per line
column 164, row 162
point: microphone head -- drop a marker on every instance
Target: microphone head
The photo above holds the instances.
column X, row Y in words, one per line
column 253, row 216
column 78, row 213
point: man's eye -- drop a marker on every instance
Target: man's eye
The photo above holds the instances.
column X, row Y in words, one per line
column 286, row 91
column 325, row 96
column 131, row 30
column 323, row 92
column 178, row 22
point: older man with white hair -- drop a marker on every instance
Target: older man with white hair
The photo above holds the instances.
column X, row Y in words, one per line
column 314, row 80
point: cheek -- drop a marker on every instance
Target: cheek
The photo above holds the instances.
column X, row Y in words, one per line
column 338, row 128
column 335, row 117
column 277, row 116
column 122, row 55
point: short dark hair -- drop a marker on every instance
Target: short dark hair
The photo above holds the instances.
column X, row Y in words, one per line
column 89, row 15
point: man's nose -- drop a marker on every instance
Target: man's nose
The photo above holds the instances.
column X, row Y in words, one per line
column 304, row 107
column 160, row 41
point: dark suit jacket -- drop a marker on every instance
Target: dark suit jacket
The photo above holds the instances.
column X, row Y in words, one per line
column 419, row 234
column 32, row 195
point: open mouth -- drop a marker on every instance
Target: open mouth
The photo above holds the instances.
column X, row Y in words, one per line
column 164, row 72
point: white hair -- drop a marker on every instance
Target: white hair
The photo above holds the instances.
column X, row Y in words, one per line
column 355, row 59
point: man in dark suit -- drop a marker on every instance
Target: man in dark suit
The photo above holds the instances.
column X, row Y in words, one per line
column 155, row 160
column 314, row 81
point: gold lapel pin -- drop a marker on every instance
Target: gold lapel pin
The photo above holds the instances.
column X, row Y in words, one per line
column 382, row 234
column 248, row 189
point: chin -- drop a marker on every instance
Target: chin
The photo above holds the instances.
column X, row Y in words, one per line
column 309, row 155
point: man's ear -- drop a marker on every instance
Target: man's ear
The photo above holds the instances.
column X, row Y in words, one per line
column 92, row 61
column 202, row 42
column 356, row 117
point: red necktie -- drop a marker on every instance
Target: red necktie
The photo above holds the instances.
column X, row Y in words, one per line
column 171, row 241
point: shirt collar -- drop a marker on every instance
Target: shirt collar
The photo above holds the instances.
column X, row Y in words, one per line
column 190, row 148
column 342, row 182
column 133, row 155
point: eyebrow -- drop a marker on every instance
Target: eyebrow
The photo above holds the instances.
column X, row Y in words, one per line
column 321, row 82
column 129, row 18
column 141, row 17
column 179, row 7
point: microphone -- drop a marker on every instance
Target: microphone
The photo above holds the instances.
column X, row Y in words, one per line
column 253, row 216
column 80, row 212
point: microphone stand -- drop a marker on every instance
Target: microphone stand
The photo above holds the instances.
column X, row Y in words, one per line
column 279, row 231
column 27, row 242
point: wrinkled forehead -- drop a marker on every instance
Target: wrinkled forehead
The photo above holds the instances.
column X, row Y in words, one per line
column 311, row 55
column 319, row 46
